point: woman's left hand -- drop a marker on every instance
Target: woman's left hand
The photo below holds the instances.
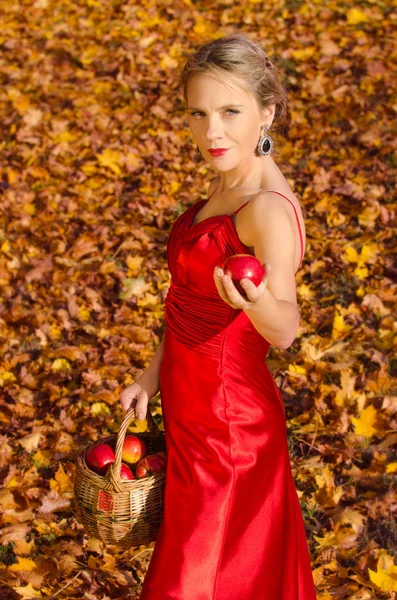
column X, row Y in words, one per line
column 230, row 294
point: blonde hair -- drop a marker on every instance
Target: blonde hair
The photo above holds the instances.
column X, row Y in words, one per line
column 238, row 55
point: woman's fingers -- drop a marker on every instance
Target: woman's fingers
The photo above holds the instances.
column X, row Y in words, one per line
column 141, row 406
column 231, row 290
column 230, row 294
column 219, row 285
column 227, row 290
column 137, row 399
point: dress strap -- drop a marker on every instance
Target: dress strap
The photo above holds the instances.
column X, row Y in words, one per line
column 239, row 208
column 296, row 214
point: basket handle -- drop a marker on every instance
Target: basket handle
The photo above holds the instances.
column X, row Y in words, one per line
column 113, row 474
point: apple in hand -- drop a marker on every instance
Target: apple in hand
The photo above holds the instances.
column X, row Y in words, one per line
column 125, row 472
column 98, row 457
column 134, row 448
column 243, row 266
column 153, row 463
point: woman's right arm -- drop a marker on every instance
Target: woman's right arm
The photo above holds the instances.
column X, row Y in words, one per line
column 144, row 387
column 150, row 378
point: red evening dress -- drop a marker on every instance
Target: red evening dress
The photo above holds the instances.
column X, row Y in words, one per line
column 232, row 526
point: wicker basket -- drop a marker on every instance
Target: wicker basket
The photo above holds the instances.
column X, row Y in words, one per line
column 119, row 511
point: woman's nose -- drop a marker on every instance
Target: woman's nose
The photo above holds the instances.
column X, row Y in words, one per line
column 214, row 130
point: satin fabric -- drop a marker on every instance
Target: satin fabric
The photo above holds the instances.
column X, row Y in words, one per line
column 232, row 526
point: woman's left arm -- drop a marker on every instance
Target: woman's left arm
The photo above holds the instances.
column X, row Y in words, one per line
column 276, row 316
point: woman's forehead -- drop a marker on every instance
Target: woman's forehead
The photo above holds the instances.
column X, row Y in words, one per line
column 225, row 84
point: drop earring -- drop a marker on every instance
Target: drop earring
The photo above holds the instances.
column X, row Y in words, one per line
column 198, row 152
column 265, row 143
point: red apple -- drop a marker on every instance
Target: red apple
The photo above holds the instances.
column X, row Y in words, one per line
column 240, row 266
column 125, row 472
column 152, row 463
column 134, row 448
column 105, row 501
column 163, row 455
column 98, row 457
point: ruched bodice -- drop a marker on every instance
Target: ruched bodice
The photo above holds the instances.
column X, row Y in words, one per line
column 232, row 527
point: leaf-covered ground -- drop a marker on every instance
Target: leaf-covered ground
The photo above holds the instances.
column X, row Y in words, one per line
column 96, row 163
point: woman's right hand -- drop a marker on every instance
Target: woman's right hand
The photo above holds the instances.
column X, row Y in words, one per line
column 135, row 395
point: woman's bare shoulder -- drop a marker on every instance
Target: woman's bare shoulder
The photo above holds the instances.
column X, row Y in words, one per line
column 264, row 207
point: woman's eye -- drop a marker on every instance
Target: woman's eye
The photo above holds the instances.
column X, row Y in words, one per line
column 229, row 110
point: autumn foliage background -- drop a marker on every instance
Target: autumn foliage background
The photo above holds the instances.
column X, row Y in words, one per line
column 97, row 162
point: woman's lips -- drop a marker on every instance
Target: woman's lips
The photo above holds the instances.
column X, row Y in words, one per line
column 218, row 151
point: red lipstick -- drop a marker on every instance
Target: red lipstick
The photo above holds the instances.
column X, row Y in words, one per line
column 218, row 151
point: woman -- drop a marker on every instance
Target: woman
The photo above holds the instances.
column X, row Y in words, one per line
column 232, row 527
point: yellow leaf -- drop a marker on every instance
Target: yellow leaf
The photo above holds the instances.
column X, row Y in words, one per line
column 385, row 576
column 339, row 325
column 61, row 364
column 21, row 104
column 89, row 168
column 6, row 376
column 62, row 482
column 134, row 263
column 110, row 158
column 94, row 545
column 29, row 208
column 23, row 564
column 293, row 368
column 328, row 541
column 369, row 251
column 148, row 300
column 202, row 27
column 355, row 16
column 364, row 425
column 89, row 55
column 338, row 400
column 83, row 314
column 12, row 483
column 361, row 271
column 304, row 291
column 24, row 547
column 66, row 136
column 303, row 53
column 5, row 247
column 28, row 592
column 94, row 563
column 335, row 218
column 351, row 254
column 12, row 176
column 39, row 173
column 100, row 409
column 360, row 291
column 391, row 467
column 43, row 458
column 368, row 216
column 324, row 595
column 173, row 187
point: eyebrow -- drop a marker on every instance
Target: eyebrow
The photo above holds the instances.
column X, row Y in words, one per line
column 219, row 107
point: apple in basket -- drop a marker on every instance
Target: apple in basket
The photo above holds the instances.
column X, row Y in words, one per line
column 152, row 463
column 134, row 448
column 98, row 457
column 125, row 472
column 240, row 266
